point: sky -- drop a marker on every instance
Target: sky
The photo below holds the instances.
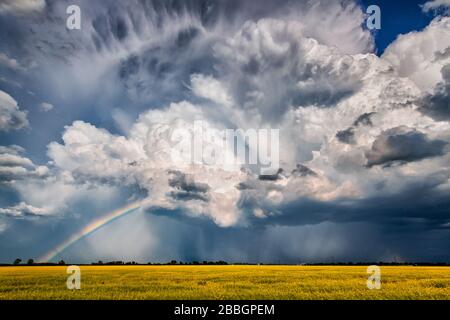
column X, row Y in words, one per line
column 398, row 17
column 88, row 117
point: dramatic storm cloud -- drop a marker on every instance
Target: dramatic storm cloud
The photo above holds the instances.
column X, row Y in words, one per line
column 363, row 139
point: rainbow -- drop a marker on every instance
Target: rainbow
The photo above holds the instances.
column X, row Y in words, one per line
column 91, row 228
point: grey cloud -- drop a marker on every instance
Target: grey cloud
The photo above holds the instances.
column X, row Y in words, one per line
column 303, row 171
column 186, row 188
column 286, row 80
column 198, row 240
column 442, row 55
column 437, row 104
column 162, row 72
column 247, row 185
column 8, row 174
column 299, row 171
column 391, row 209
column 11, row 160
column 188, row 196
column 272, row 177
column 364, row 119
column 13, row 149
column 403, row 144
column 346, row 136
column 175, row 39
column 11, row 117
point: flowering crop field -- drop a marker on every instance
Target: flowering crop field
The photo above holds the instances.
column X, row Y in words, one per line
column 224, row 282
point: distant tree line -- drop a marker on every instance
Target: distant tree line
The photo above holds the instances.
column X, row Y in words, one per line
column 171, row 263
column 31, row 262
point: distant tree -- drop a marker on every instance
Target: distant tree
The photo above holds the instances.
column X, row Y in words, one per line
column 17, row 261
column 62, row 263
column 100, row 262
column 173, row 262
column 30, row 262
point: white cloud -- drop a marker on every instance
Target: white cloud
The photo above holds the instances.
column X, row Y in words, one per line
column 61, row 195
column 122, row 120
column 420, row 56
column 21, row 6
column 270, row 74
column 24, row 210
column 9, row 62
column 144, row 158
column 13, row 149
column 209, row 88
column 11, row 117
column 335, row 24
column 14, row 167
column 44, row 190
column 436, row 4
column 45, row 107
column 14, row 160
column 309, row 81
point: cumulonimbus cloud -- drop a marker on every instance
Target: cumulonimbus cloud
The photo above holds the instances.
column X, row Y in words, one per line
column 338, row 106
column 272, row 73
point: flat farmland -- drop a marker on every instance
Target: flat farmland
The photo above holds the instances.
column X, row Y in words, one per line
column 224, row 282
